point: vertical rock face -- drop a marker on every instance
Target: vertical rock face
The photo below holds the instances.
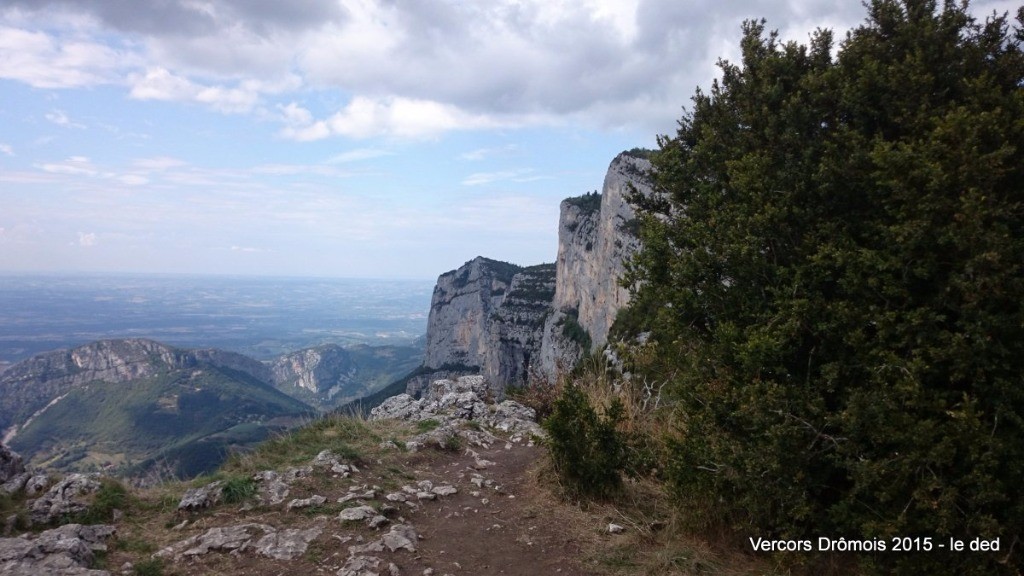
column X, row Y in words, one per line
column 460, row 310
column 506, row 322
column 517, row 326
column 596, row 236
column 591, row 266
column 487, row 317
column 314, row 374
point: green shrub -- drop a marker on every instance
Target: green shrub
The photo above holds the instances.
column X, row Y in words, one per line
column 587, row 450
column 589, row 202
column 574, row 331
column 537, row 394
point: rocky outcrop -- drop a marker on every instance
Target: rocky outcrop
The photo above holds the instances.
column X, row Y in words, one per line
column 11, row 465
column 508, row 323
column 316, row 375
column 263, row 539
column 460, row 311
column 451, row 404
column 64, row 499
column 69, row 549
column 517, row 326
column 202, row 497
column 594, row 288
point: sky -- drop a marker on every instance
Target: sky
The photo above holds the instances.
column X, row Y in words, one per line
column 338, row 138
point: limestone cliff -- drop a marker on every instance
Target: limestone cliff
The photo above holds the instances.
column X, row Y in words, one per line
column 314, row 373
column 327, row 376
column 486, row 317
column 517, row 326
column 506, row 322
column 596, row 236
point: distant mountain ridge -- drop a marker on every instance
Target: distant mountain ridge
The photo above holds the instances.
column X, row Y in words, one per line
column 31, row 384
column 137, row 403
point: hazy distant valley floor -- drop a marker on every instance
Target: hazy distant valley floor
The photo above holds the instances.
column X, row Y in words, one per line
column 162, row 376
column 259, row 317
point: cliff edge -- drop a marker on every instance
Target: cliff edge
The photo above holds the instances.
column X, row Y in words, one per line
column 509, row 322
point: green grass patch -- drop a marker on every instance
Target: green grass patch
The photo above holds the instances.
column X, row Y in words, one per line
column 623, row 556
column 238, row 489
column 427, row 425
column 136, row 545
column 111, row 496
column 148, row 567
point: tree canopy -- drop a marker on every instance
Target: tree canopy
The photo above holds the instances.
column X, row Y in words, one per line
column 832, row 273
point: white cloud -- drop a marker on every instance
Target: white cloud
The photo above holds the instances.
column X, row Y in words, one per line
column 480, row 178
column 75, row 165
column 60, row 118
column 87, row 239
column 42, row 60
column 294, row 115
column 487, row 177
column 7, row 149
column 408, row 69
column 358, row 155
column 133, row 179
column 365, row 117
column 158, row 164
column 162, row 84
column 482, row 153
column 298, row 169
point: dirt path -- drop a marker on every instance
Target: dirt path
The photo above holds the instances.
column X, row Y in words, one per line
column 501, row 527
column 499, row 521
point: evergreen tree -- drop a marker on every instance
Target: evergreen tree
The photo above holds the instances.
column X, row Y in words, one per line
column 833, row 270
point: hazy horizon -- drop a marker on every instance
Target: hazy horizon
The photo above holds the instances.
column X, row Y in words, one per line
column 258, row 316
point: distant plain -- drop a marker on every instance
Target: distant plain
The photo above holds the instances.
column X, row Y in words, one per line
column 257, row 316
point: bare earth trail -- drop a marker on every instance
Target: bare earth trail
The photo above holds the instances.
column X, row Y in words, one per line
column 499, row 521
column 503, row 527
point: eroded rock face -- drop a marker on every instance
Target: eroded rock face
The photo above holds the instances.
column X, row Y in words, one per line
column 486, row 317
column 65, row 498
column 68, row 549
column 272, row 488
column 264, row 539
column 594, row 243
column 316, row 374
column 507, row 322
column 452, row 403
column 202, row 497
column 286, row 544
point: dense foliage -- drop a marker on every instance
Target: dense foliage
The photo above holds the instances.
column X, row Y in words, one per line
column 833, row 276
column 586, row 449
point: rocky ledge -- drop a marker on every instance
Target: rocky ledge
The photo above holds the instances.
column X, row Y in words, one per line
column 453, row 405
